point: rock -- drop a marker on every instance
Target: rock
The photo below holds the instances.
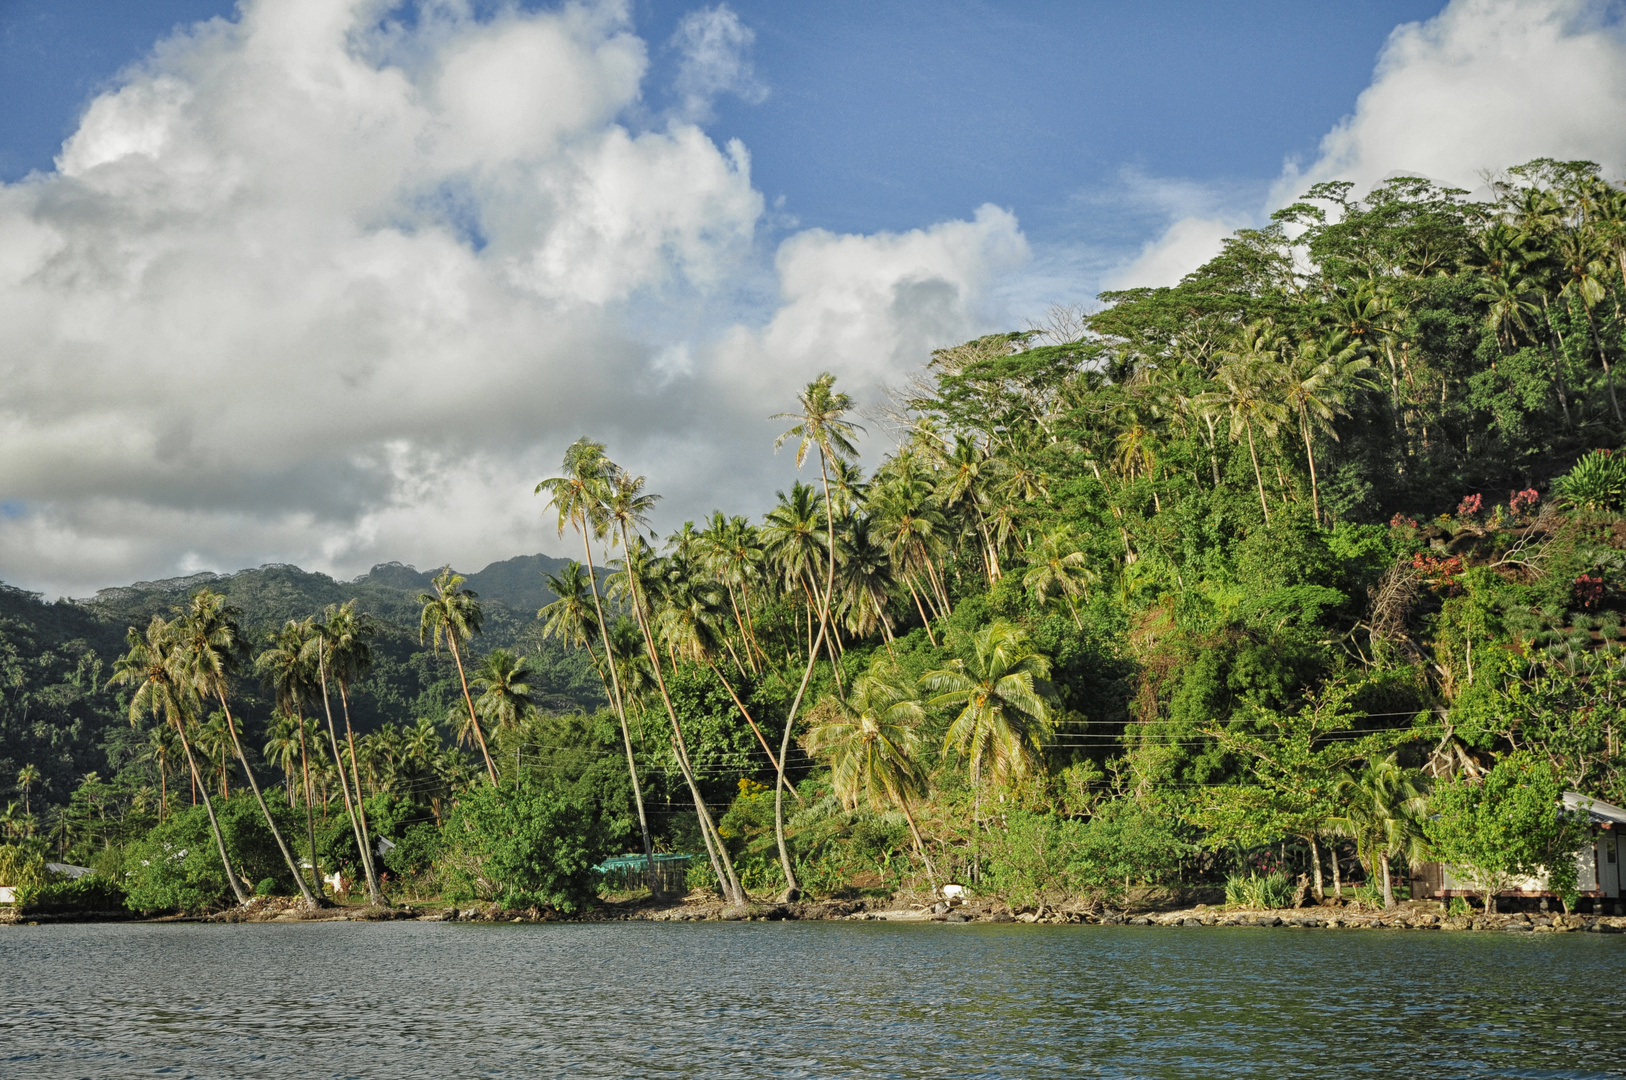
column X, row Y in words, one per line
column 1140, row 921
column 1002, row 916
column 957, row 917
column 1518, row 928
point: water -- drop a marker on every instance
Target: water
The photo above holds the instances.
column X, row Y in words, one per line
column 803, row 1000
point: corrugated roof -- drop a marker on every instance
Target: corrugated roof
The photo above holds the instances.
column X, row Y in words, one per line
column 1598, row 810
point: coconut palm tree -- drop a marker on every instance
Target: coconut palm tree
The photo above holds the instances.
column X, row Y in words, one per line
column 286, row 668
column 505, row 697
column 871, row 741
column 628, row 505
column 1247, row 390
column 1582, row 259
column 27, row 777
column 578, row 499
column 319, row 648
column 1383, row 810
column 820, row 425
column 160, row 752
column 1317, row 379
column 1055, row 564
column 213, row 649
column 451, row 614
column 149, row 668
column 1004, row 701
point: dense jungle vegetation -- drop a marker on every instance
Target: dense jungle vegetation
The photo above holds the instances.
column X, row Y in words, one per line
column 1305, row 569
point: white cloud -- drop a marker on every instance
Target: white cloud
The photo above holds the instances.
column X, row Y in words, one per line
column 313, row 286
column 1483, row 85
column 713, row 46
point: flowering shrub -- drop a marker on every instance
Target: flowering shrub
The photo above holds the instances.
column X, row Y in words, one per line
column 1588, row 590
column 1401, row 521
column 1439, row 572
column 1469, row 506
column 1522, row 502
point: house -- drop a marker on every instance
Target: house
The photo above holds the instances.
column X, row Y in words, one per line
column 8, row 893
column 1600, row 865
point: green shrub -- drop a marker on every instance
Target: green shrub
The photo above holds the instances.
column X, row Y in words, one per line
column 1597, row 482
column 86, row 894
column 1259, row 891
column 523, row 846
column 415, row 852
column 701, row 877
column 266, row 887
column 176, row 866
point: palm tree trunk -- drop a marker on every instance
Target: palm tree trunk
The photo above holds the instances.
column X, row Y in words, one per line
column 338, row 758
column 722, row 865
column 924, row 621
column 620, row 707
column 744, row 637
column 920, row 845
column 1558, row 370
column 1315, row 867
column 375, row 891
column 1309, row 452
column 254, row 785
column 457, row 658
column 1608, row 374
column 310, row 815
column 1337, row 873
column 214, row 823
column 1388, row 883
column 743, row 712
column 1258, row 477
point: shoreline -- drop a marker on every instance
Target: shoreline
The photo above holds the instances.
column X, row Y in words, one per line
column 1407, row 916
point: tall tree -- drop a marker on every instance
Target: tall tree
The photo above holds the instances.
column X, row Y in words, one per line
column 286, row 668
column 212, row 650
column 578, row 499
column 821, row 425
column 451, row 615
column 160, row 690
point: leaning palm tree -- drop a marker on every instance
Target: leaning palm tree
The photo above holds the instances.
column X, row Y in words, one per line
column 578, row 498
column 1383, row 811
column 821, row 425
column 159, row 691
column 871, row 741
column 1005, row 703
column 628, row 506
column 451, row 614
column 213, row 649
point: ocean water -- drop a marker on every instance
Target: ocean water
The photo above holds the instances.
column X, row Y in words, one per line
column 869, row 1000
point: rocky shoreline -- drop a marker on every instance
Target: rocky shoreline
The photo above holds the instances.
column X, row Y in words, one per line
column 1408, row 916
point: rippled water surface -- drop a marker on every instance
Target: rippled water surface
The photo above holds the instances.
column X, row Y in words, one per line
column 803, row 1000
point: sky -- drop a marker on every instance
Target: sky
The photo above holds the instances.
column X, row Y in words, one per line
column 334, row 282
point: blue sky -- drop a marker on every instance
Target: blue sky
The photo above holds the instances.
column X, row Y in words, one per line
column 894, row 115
column 334, row 282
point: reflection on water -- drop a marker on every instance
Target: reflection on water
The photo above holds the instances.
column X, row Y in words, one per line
column 803, row 1000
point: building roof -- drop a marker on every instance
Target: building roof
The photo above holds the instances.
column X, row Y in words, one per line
column 1600, row 812
column 68, row 870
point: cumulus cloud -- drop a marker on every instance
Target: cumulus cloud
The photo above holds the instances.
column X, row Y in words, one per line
column 714, row 46
column 1483, row 85
column 316, row 285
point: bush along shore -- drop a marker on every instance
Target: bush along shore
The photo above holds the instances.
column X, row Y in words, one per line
column 1302, row 578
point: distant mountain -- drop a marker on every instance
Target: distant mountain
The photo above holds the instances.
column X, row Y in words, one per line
column 511, row 591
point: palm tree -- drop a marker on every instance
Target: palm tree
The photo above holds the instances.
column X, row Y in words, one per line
column 149, row 667
column 282, row 749
column 451, row 614
column 1383, row 809
column 821, row 424
column 1004, row 700
column 1318, row 377
column 285, row 666
column 213, row 649
column 160, row 752
column 1578, row 253
column 790, row 543
column 627, row 506
column 1247, row 392
column 319, row 647
column 870, row 741
column 505, row 696
column 865, row 581
column 1056, row 564
column 27, row 777
column 578, row 499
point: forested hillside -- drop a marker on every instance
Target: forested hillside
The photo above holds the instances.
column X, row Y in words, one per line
column 58, row 715
column 1276, row 572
